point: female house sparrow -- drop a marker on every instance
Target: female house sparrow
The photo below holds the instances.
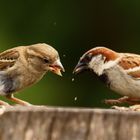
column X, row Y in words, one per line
column 120, row 71
column 24, row 66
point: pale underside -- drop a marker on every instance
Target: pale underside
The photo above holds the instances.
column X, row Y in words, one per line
column 125, row 77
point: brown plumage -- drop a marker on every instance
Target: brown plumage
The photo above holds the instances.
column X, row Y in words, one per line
column 109, row 54
column 129, row 61
column 120, row 71
column 24, row 66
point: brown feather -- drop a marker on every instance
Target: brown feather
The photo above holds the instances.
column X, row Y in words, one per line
column 109, row 54
column 8, row 59
column 129, row 61
column 10, row 54
column 135, row 74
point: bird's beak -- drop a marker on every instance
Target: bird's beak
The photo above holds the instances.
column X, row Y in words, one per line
column 57, row 67
column 80, row 67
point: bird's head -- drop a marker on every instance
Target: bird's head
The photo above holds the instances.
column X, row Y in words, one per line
column 44, row 58
column 96, row 59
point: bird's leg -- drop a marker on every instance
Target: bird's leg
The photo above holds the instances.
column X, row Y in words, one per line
column 18, row 101
column 121, row 100
column 136, row 100
column 117, row 101
column 135, row 107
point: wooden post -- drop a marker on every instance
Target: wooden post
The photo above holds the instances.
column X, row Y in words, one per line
column 50, row 123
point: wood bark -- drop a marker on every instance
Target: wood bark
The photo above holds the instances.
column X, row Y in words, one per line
column 52, row 123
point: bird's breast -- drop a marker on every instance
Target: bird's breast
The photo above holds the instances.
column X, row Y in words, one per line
column 28, row 79
column 122, row 83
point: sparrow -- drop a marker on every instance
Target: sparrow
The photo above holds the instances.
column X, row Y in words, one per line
column 119, row 71
column 23, row 66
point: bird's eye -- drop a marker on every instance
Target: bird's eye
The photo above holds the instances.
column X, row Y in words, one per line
column 46, row 60
column 87, row 58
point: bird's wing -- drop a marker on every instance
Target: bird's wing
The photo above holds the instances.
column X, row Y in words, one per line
column 8, row 58
column 134, row 74
column 131, row 64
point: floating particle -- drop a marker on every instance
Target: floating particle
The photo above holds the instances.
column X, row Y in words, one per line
column 75, row 98
column 64, row 55
column 54, row 23
column 72, row 79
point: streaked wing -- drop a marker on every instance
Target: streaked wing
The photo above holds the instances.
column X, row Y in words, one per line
column 129, row 61
column 131, row 64
column 8, row 58
column 134, row 74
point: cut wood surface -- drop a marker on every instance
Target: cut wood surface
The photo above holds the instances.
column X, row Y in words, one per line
column 54, row 123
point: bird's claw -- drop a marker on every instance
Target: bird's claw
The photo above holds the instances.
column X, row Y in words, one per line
column 121, row 108
column 112, row 102
column 135, row 107
column 131, row 108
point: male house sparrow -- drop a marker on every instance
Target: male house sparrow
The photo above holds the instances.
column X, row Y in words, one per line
column 24, row 66
column 120, row 71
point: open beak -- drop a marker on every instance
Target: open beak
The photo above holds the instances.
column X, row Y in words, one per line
column 57, row 67
column 80, row 67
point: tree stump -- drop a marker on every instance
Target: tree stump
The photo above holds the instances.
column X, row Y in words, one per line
column 52, row 123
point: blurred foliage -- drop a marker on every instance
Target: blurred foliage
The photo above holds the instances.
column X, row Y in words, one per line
column 72, row 27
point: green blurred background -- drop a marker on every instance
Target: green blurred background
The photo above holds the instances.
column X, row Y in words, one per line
column 72, row 27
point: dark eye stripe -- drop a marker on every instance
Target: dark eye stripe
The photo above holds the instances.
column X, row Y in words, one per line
column 87, row 58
